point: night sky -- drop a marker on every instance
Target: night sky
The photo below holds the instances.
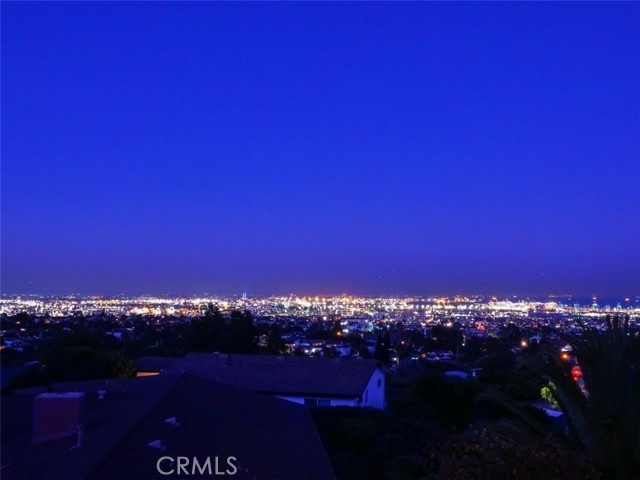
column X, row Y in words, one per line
column 364, row 148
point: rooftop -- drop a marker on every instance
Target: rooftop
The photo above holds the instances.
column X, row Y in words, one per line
column 317, row 376
column 269, row 437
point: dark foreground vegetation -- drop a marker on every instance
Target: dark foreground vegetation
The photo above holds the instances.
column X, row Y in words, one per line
column 446, row 427
column 81, row 348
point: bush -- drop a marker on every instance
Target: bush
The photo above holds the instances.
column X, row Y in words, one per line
column 452, row 398
column 485, row 454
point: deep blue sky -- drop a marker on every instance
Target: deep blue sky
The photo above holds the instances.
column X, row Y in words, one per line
column 368, row 148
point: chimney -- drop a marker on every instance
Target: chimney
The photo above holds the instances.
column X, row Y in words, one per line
column 56, row 415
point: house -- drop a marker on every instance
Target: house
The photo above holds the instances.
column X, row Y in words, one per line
column 312, row 381
column 147, row 427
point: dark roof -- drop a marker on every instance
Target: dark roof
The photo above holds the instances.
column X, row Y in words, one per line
column 154, row 364
column 272, row 374
column 271, row 438
column 106, row 421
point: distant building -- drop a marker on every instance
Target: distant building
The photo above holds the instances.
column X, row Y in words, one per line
column 312, row 381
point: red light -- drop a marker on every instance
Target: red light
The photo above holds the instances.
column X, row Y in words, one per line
column 576, row 373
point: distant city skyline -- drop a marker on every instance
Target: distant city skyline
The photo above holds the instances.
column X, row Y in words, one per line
column 321, row 148
column 323, row 305
column 584, row 298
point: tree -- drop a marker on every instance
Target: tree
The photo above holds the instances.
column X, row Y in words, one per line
column 208, row 332
column 445, row 338
column 242, row 332
column 546, row 393
column 381, row 352
column 604, row 416
column 473, row 348
column 482, row 454
column 275, row 344
column 511, row 334
column 451, row 398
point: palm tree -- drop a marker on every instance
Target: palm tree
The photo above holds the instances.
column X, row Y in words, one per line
column 604, row 415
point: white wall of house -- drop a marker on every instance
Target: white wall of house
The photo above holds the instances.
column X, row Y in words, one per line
column 334, row 402
column 344, row 402
column 373, row 395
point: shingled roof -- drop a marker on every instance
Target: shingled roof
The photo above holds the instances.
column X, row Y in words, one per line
column 269, row 437
column 313, row 376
